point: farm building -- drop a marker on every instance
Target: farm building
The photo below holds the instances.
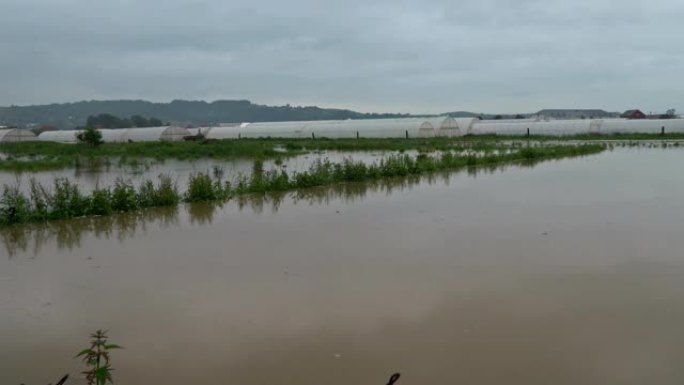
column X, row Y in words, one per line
column 633, row 114
column 9, row 135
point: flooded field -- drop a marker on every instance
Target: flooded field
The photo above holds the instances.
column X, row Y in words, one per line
column 106, row 173
column 568, row 272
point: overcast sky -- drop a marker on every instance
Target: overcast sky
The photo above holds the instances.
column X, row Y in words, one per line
column 396, row 56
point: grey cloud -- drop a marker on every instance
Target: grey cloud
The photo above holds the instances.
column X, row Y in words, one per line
column 416, row 56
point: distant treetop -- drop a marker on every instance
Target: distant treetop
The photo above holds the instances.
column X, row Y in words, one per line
column 111, row 121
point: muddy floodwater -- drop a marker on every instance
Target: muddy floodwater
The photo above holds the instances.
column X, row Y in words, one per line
column 106, row 172
column 568, row 272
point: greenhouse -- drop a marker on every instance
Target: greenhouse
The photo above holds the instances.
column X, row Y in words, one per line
column 333, row 129
column 154, row 134
column 59, row 136
column 563, row 127
column 365, row 128
column 647, row 126
column 541, row 127
column 378, row 128
column 16, row 135
column 120, row 135
column 112, row 135
column 426, row 130
column 578, row 127
column 221, row 132
column 272, row 130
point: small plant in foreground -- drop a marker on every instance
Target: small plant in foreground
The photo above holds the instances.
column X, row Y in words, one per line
column 96, row 358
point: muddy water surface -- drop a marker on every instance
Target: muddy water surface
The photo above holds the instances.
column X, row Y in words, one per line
column 106, row 172
column 570, row 272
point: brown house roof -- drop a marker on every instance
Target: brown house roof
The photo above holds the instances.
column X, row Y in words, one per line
column 633, row 114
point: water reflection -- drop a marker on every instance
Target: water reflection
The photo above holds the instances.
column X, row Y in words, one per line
column 202, row 213
column 67, row 234
column 29, row 239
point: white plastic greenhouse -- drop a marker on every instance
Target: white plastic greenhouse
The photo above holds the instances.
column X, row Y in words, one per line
column 121, row 135
column 154, row 134
column 112, row 135
column 372, row 128
column 367, row 128
column 381, row 128
column 649, row 126
column 16, row 135
column 577, row 127
column 60, row 136
column 439, row 126
column 541, row 127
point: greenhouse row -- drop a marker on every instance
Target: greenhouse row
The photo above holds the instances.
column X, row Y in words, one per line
column 121, row 135
column 439, row 127
column 371, row 128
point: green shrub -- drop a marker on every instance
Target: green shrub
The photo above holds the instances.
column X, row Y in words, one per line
column 14, row 206
column 202, row 187
column 90, row 136
column 39, row 201
column 101, row 202
column 166, row 193
column 67, row 200
column 124, row 197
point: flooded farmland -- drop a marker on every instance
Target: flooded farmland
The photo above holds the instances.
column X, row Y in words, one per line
column 568, row 272
column 105, row 172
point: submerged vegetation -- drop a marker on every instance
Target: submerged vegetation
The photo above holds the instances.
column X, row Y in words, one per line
column 65, row 200
column 33, row 156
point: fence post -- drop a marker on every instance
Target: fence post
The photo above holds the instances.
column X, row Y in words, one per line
column 662, row 130
column 406, row 134
column 357, row 134
column 313, row 136
column 528, row 132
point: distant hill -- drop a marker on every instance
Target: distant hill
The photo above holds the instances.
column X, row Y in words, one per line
column 183, row 112
column 69, row 115
column 468, row 114
column 464, row 114
column 576, row 114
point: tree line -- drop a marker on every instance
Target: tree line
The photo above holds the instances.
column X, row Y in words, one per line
column 181, row 112
column 111, row 121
